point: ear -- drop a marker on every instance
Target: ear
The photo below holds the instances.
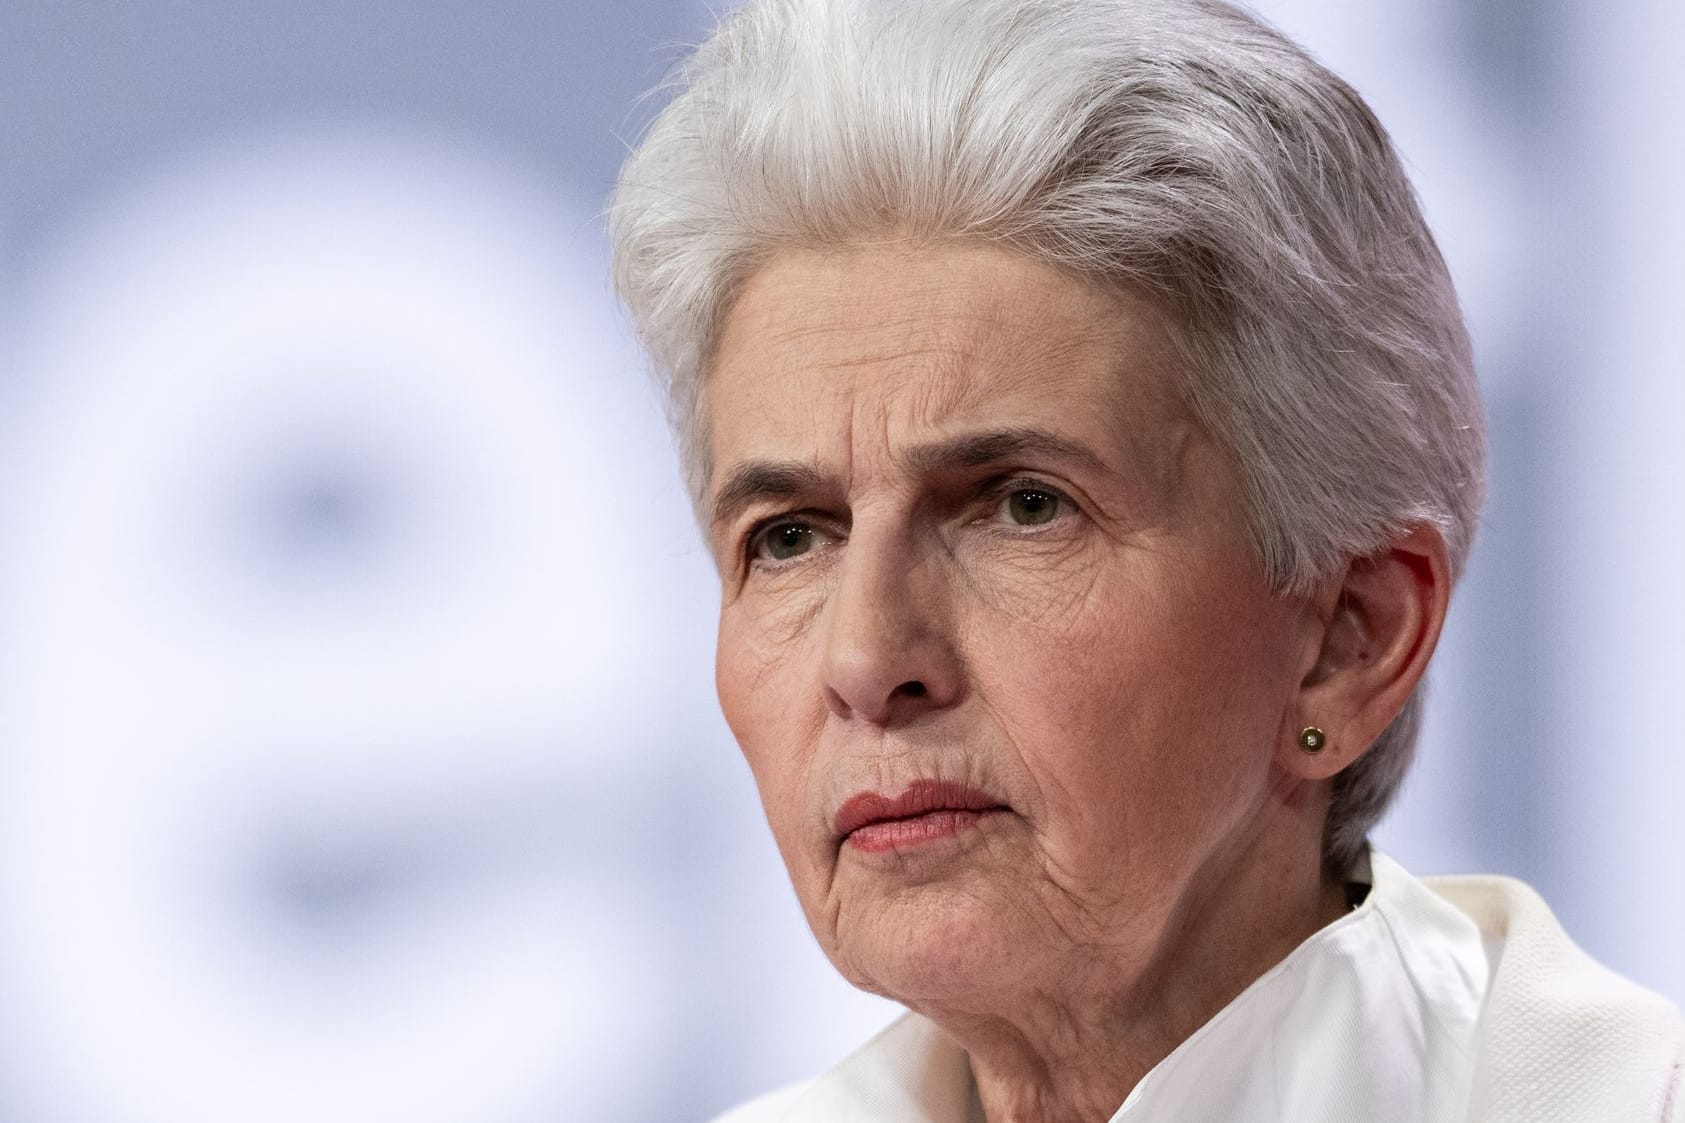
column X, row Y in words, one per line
column 1380, row 621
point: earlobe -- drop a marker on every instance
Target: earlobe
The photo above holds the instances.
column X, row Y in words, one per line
column 1385, row 618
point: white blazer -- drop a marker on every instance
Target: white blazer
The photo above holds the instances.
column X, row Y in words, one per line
column 1450, row 1000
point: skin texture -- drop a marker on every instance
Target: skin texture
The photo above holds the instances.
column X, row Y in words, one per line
column 1067, row 619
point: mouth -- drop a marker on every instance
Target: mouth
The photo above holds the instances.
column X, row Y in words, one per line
column 927, row 811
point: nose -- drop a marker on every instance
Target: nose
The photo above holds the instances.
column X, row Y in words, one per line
column 889, row 649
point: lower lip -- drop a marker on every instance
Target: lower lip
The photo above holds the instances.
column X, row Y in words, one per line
column 916, row 830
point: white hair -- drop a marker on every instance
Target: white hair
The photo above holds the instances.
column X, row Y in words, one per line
column 1177, row 146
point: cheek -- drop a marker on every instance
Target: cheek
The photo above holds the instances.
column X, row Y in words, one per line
column 744, row 677
column 760, row 691
column 1036, row 588
column 1143, row 709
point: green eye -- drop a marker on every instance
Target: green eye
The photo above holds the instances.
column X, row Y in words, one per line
column 1030, row 506
column 787, row 540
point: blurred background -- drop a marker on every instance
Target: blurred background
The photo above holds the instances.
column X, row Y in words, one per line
column 358, row 752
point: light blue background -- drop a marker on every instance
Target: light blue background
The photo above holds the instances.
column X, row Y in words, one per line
column 358, row 755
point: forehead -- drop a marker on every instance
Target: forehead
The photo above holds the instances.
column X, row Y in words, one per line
column 884, row 346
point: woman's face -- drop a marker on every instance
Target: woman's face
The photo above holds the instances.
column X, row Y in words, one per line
column 992, row 637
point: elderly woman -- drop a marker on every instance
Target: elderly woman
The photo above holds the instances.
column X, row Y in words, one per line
column 1082, row 422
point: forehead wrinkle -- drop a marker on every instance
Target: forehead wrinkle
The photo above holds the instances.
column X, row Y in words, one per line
column 1020, row 367
column 913, row 333
column 998, row 445
column 1020, row 347
column 905, row 356
column 918, row 355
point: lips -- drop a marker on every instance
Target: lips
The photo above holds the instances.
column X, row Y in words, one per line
column 927, row 808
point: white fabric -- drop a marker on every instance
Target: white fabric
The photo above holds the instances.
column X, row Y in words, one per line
column 1454, row 1000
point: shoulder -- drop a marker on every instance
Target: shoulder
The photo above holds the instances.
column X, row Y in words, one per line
column 768, row 1108
column 1562, row 1036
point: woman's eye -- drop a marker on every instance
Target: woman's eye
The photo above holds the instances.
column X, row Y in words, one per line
column 1031, row 506
column 784, row 541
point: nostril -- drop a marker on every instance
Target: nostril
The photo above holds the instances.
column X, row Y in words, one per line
column 914, row 689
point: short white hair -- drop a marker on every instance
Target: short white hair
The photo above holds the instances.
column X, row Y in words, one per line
column 1177, row 146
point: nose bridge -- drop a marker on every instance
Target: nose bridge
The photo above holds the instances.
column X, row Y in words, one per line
column 888, row 652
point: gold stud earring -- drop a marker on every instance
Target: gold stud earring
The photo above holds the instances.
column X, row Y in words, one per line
column 1312, row 739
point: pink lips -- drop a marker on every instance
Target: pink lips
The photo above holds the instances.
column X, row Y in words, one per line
column 928, row 810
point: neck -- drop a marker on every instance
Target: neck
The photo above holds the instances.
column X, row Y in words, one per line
column 1074, row 1047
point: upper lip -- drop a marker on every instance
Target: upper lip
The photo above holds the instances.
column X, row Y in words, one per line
column 919, row 798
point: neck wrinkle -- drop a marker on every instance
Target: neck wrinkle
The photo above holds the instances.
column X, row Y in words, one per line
column 1074, row 1055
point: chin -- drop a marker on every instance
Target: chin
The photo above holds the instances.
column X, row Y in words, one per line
column 930, row 945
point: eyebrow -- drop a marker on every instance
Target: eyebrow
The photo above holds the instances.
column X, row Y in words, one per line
column 759, row 481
